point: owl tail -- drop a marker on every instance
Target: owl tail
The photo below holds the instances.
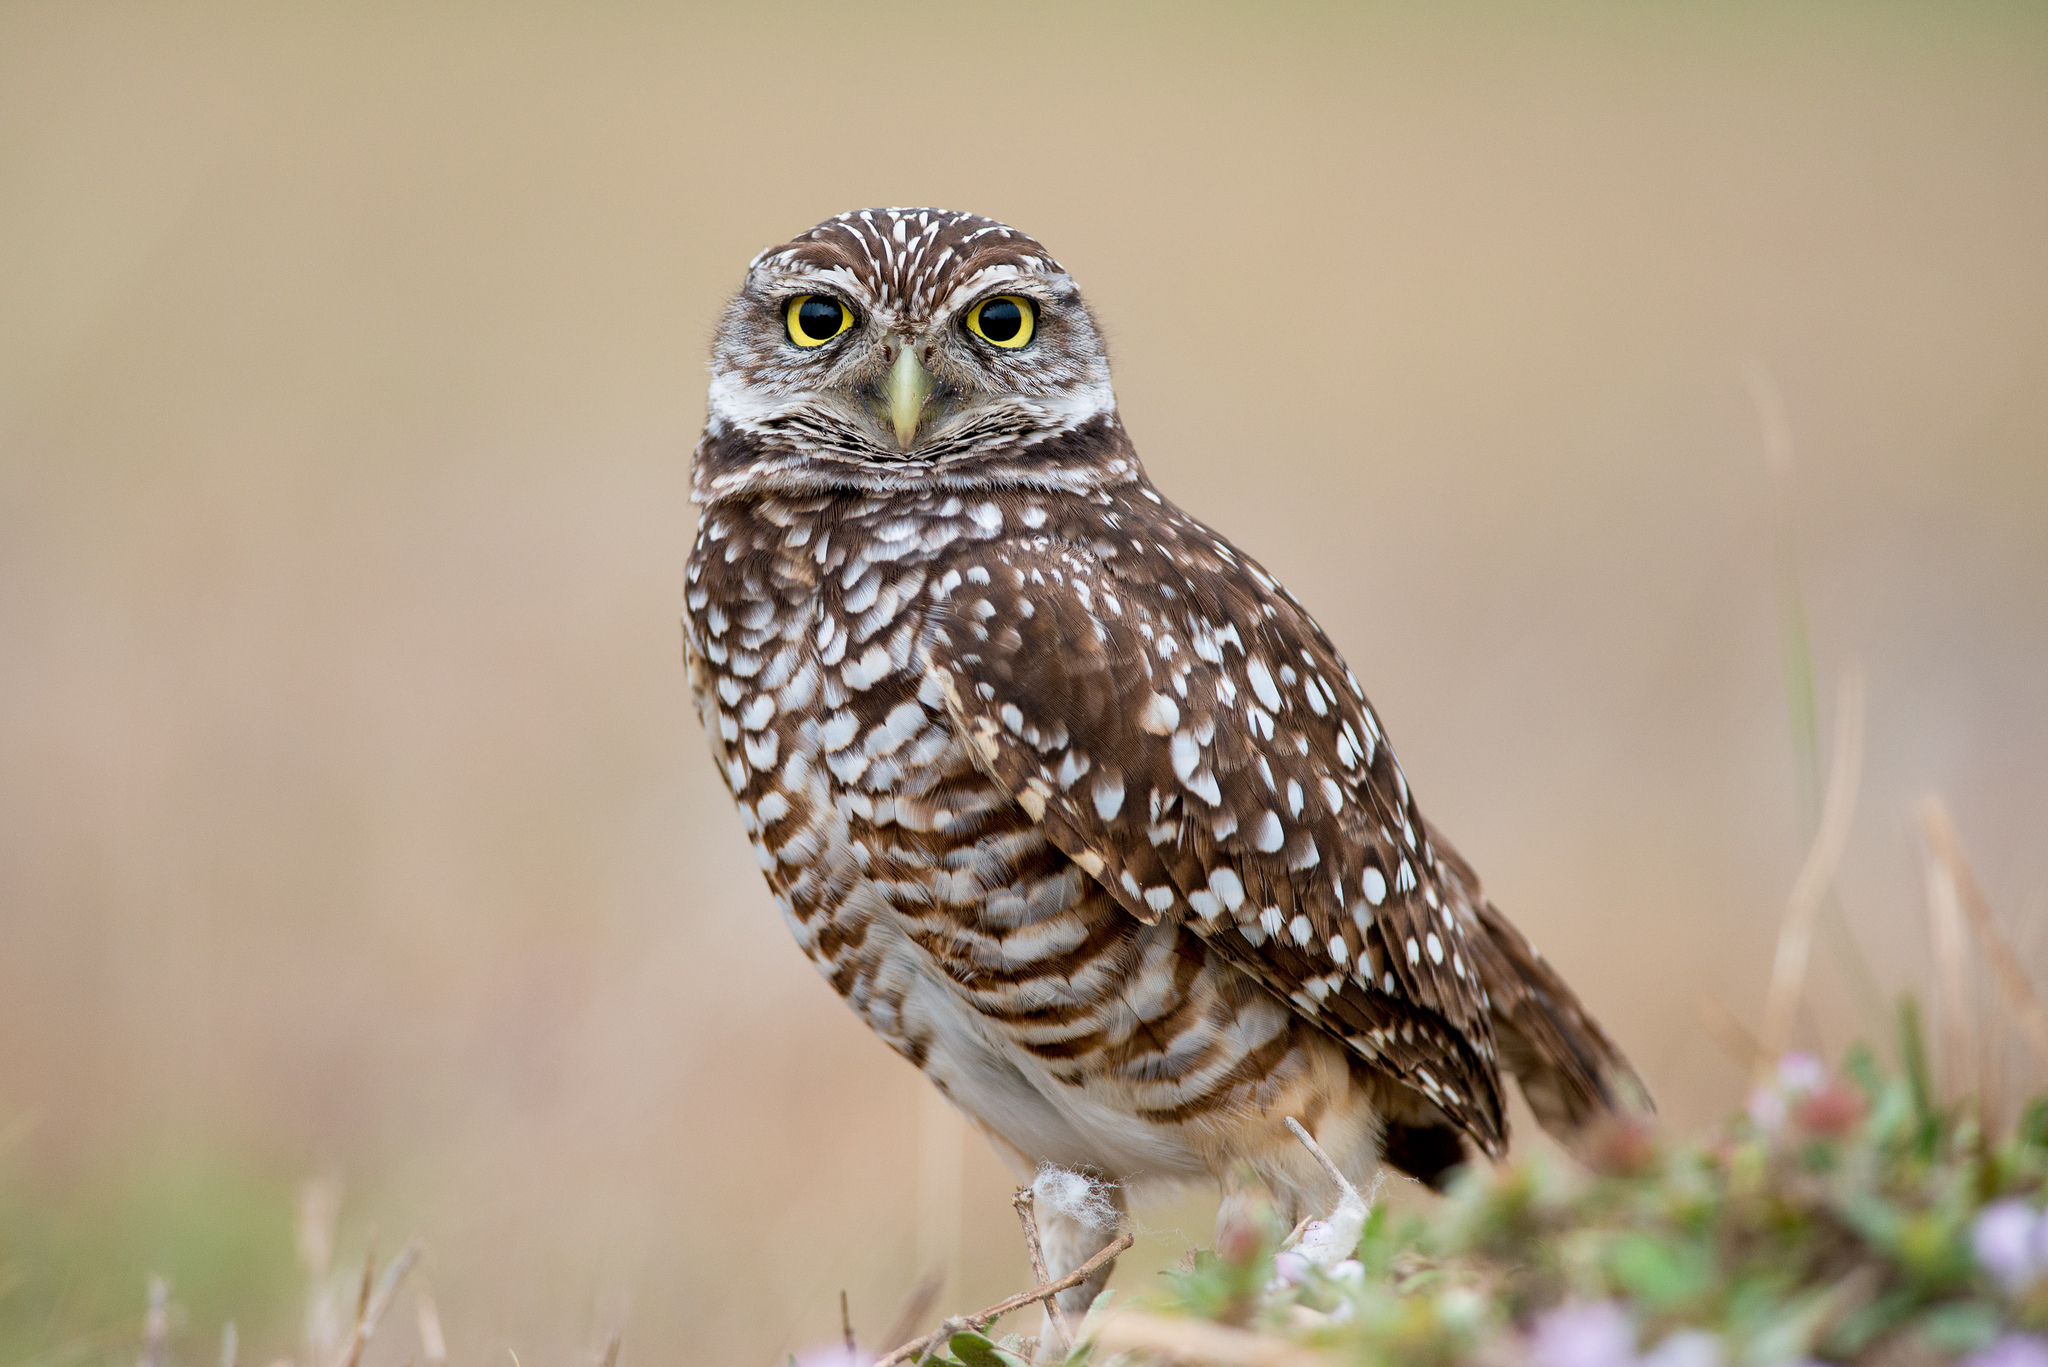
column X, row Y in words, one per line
column 1569, row 1071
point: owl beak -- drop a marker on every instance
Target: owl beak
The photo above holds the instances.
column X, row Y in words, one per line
column 910, row 387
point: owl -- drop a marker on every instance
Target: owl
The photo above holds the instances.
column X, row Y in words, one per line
column 1067, row 797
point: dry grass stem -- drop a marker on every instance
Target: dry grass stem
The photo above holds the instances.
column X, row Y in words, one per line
column 981, row 1319
column 230, row 1345
column 1795, row 936
column 1951, row 974
column 1726, row 1029
column 1771, row 417
column 368, row 1284
column 319, row 1203
column 156, row 1326
column 319, row 1206
column 610, row 1357
column 1163, row 1339
column 375, row 1301
column 2021, row 998
column 1026, row 1202
column 433, row 1345
column 915, row 1307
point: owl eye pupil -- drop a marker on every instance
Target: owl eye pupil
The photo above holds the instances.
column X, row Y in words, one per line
column 1001, row 320
column 820, row 319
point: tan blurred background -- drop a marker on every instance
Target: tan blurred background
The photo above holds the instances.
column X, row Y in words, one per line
column 352, row 815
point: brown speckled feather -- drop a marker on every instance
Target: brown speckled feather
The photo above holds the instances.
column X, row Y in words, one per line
column 1189, row 737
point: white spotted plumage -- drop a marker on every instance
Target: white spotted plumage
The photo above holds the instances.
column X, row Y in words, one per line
column 1074, row 803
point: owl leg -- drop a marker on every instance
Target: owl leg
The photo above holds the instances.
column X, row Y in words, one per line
column 1071, row 1233
column 1254, row 1204
column 1268, row 1178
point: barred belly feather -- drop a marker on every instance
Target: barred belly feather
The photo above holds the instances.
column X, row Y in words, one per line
column 932, row 901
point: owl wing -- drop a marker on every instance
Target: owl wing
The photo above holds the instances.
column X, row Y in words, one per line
column 1186, row 734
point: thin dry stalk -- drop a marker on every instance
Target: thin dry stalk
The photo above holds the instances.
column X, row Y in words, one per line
column 1189, row 1341
column 1728, row 1031
column 846, row 1324
column 375, row 1301
column 156, row 1326
column 1795, row 936
column 941, row 1173
column 915, row 1307
column 368, row 1283
column 2022, row 1000
column 1316, row 1152
column 618, row 1336
column 319, row 1204
column 982, row 1319
column 433, row 1345
column 1026, row 1202
column 230, row 1345
column 1991, row 1069
column 1770, row 416
column 1951, row 971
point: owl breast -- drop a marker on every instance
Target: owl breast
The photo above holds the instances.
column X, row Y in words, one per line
column 927, row 896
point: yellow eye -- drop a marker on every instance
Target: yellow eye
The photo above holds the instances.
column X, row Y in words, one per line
column 1005, row 320
column 815, row 319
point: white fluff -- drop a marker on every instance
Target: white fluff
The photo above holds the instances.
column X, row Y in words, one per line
column 1327, row 1243
column 1076, row 1195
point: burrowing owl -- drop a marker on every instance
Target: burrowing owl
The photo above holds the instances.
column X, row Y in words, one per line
column 1076, row 806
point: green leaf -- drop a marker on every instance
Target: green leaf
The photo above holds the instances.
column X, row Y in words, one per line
column 975, row 1350
column 1919, row 1073
column 2033, row 1128
column 1660, row 1272
column 1862, row 1325
column 1959, row 1327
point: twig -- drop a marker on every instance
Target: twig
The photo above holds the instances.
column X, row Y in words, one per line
column 1795, row 936
column 1327, row 1241
column 949, row 1326
column 2013, row 983
column 375, row 1301
column 1197, row 1341
column 230, row 1345
column 1026, row 1202
column 156, row 1327
column 846, row 1324
column 1316, row 1151
column 981, row 1319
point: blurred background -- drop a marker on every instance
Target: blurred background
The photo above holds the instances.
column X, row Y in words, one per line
column 353, row 819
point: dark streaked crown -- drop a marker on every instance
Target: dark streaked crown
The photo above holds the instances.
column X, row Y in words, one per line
column 907, row 260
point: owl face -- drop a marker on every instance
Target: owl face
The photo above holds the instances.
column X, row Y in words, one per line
column 903, row 345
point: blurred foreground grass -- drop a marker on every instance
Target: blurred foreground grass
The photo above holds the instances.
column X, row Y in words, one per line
column 1849, row 1216
column 1887, row 1213
column 76, row 1255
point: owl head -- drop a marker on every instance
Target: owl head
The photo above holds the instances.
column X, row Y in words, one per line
column 893, row 348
